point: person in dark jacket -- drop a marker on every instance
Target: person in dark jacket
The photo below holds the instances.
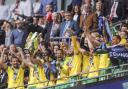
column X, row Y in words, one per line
column 34, row 27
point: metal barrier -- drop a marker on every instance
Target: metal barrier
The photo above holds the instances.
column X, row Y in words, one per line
column 62, row 39
column 118, row 24
column 112, row 72
column 122, row 71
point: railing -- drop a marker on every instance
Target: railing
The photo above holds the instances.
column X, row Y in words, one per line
column 62, row 39
column 110, row 75
column 118, row 24
column 112, row 72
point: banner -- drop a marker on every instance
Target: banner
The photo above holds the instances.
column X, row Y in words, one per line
column 118, row 52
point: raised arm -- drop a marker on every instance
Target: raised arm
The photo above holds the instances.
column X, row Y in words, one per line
column 2, row 59
column 36, row 61
column 24, row 61
column 76, row 45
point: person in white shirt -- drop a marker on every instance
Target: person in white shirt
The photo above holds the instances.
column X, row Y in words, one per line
column 26, row 8
column 36, row 6
column 4, row 10
column 55, row 25
column 14, row 10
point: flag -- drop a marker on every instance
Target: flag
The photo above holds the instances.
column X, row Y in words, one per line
column 118, row 52
column 100, row 25
column 107, row 28
column 113, row 10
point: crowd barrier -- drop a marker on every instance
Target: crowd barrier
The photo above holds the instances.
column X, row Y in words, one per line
column 111, row 73
column 62, row 39
column 119, row 23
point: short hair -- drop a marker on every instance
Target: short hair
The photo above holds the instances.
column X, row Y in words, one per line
column 118, row 37
column 13, row 56
column 60, row 50
column 48, row 52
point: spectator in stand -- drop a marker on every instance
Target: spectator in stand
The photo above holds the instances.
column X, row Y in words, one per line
column 62, row 13
column 8, row 30
column 49, row 13
column 53, row 30
column 99, row 9
column 14, row 10
column 88, row 19
column 36, row 7
column 19, row 35
column 53, row 4
column 43, row 22
column 77, row 14
column 4, row 13
column 69, row 26
column 34, row 26
column 26, row 8
column 74, row 3
column 100, row 17
column 85, row 10
column 88, row 2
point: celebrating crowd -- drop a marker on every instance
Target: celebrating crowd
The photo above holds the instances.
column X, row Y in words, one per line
column 41, row 47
